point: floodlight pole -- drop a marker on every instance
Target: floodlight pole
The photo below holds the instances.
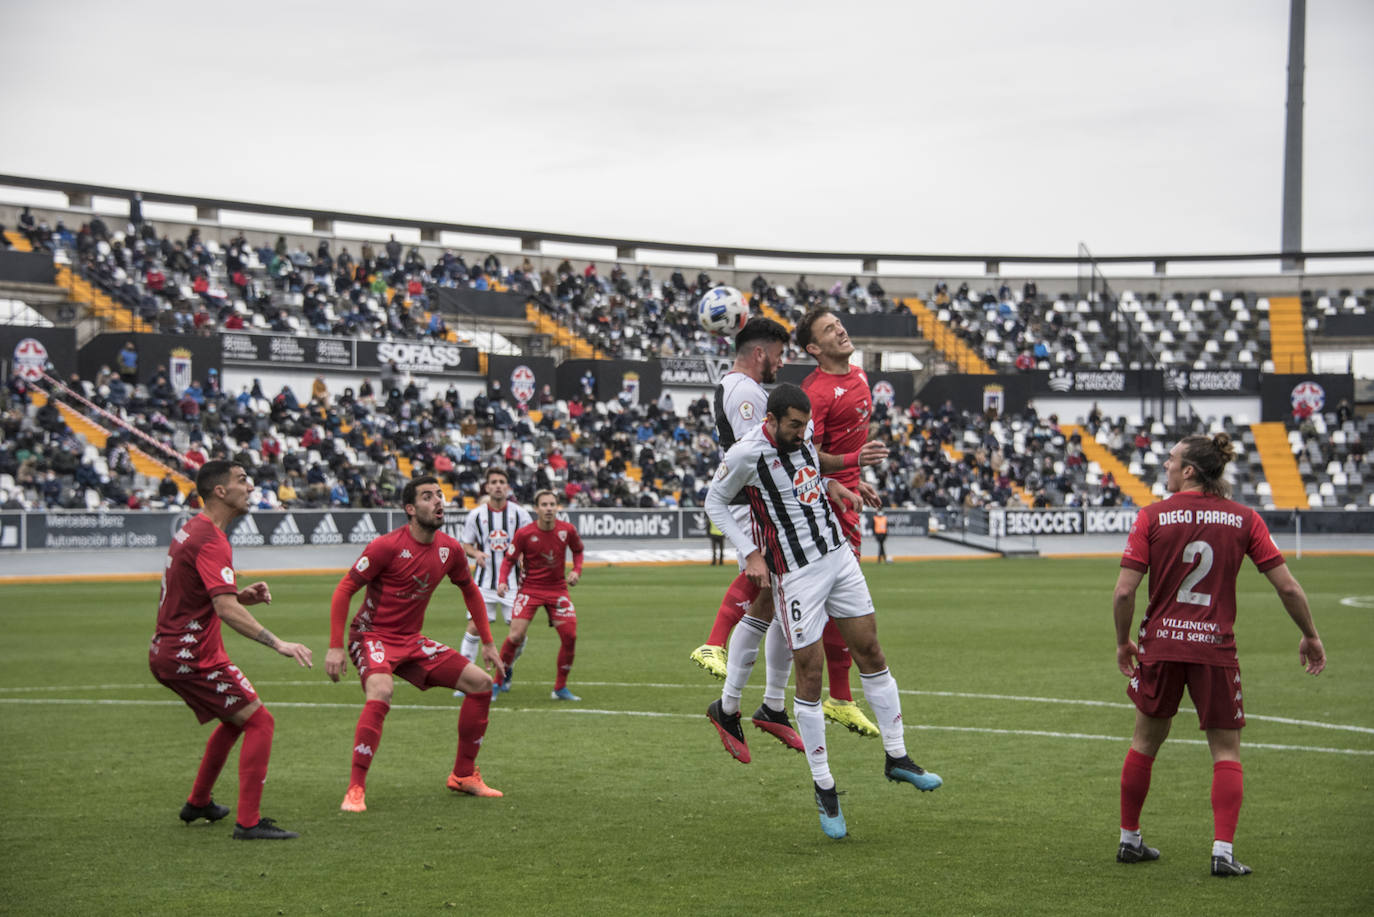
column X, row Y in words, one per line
column 1292, row 140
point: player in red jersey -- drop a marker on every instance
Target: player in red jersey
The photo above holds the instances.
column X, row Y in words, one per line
column 187, row 652
column 840, row 407
column 1193, row 545
column 544, row 544
column 400, row 570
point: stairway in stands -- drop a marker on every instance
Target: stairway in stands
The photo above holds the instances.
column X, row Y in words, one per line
column 1287, row 342
column 767, row 310
column 114, row 316
column 1094, row 451
column 956, row 353
column 956, row 456
column 1280, row 468
column 98, row 436
column 577, row 347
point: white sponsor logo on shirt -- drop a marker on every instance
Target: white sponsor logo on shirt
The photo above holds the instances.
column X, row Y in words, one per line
column 362, row 564
column 227, row 574
column 746, row 410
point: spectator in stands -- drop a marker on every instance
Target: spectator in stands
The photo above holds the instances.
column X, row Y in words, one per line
column 128, row 363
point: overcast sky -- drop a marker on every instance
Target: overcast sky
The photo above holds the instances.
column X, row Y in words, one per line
column 952, row 127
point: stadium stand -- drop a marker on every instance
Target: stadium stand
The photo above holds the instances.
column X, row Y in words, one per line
column 611, row 454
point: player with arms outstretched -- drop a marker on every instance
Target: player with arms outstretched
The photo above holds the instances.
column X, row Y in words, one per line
column 400, row 571
column 187, row 651
column 840, row 408
column 796, row 542
column 1193, row 545
column 544, row 545
column 487, row 535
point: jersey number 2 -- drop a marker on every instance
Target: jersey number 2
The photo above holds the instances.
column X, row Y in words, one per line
column 1200, row 551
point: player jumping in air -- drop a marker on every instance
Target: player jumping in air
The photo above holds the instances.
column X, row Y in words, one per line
column 797, row 543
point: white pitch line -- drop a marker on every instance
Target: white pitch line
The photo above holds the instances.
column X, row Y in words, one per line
column 658, row 714
column 1083, row 735
column 1019, row 698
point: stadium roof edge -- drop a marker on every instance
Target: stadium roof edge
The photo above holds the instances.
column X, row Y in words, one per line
column 81, row 191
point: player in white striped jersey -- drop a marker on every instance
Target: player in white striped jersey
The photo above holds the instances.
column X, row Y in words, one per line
column 740, row 405
column 487, row 535
column 795, row 543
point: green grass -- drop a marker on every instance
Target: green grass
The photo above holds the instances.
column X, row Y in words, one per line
column 609, row 813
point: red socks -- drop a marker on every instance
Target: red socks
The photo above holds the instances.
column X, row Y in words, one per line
column 1135, row 784
column 472, row 726
column 366, row 739
column 738, row 598
column 217, row 750
column 253, row 756
column 837, row 662
column 567, row 634
column 507, row 653
column 1228, row 788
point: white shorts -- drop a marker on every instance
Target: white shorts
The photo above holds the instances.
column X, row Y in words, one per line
column 832, row 587
column 493, row 600
column 744, row 516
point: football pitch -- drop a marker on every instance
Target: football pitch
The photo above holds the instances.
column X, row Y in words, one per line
column 625, row 803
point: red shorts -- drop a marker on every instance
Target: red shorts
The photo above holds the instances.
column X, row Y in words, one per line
column 418, row 659
column 1157, row 687
column 558, row 605
column 849, row 526
column 212, row 692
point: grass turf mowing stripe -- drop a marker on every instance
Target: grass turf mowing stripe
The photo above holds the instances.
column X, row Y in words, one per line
column 657, row 714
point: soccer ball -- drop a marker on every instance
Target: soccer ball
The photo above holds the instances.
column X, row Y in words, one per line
column 722, row 310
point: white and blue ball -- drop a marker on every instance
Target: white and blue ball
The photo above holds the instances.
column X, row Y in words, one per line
column 722, row 310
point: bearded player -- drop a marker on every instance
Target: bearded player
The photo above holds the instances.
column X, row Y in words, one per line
column 544, row 546
column 400, row 571
column 840, row 408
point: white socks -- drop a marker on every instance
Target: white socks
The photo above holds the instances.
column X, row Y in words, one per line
column 811, row 726
column 1130, row 837
column 1222, row 849
column 470, row 646
column 778, row 665
column 739, row 661
column 880, row 690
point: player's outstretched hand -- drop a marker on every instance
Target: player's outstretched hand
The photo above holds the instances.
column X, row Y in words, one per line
column 1312, row 654
column 573, row 578
column 842, row 496
column 335, row 662
column 1126, row 654
column 297, row 651
column 481, row 558
column 869, row 494
column 256, row 594
column 492, row 656
column 872, row 452
column 501, row 588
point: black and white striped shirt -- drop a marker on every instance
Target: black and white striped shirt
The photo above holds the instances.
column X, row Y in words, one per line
column 491, row 530
column 792, row 523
